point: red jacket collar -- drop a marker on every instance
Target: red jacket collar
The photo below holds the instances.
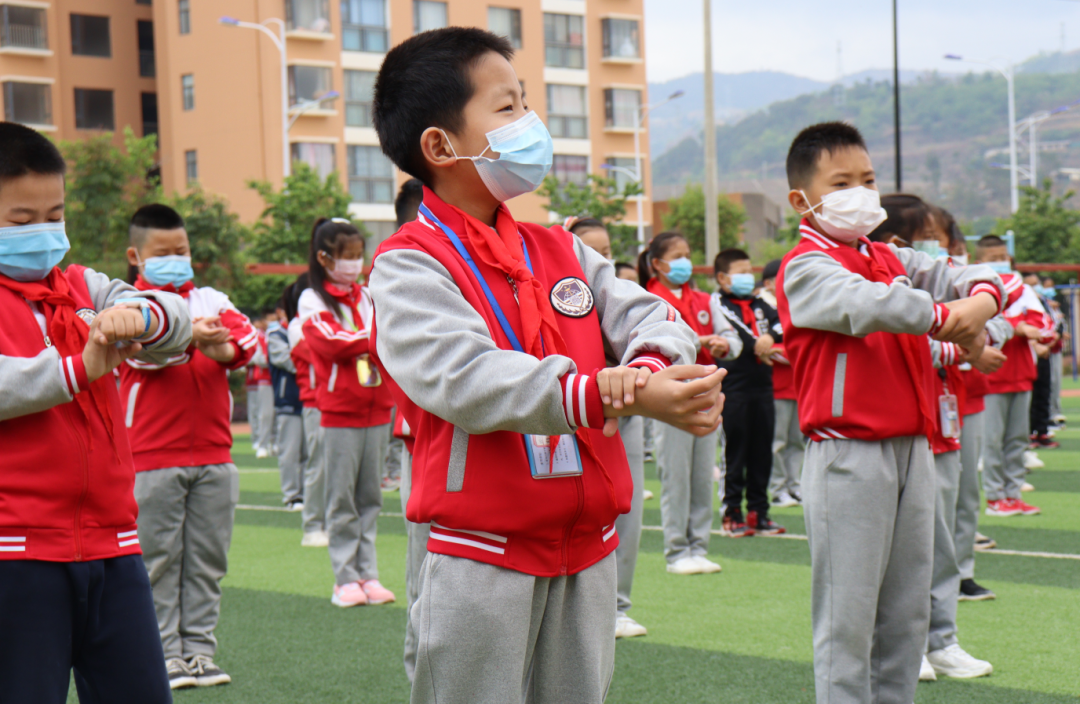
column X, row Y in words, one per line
column 350, row 296
column 144, row 285
column 809, row 232
column 450, row 216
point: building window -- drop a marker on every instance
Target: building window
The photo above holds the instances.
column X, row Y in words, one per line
column 149, row 113
column 184, row 8
column 94, row 109
column 142, row 2
column 428, row 15
column 567, row 113
column 187, row 90
column 564, row 42
column 309, row 15
column 308, row 83
column 363, row 25
column 191, row 166
column 621, row 39
column 146, row 49
column 28, row 103
column 568, row 168
column 624, row 167
column 318, row 156
column 621, row 107
column 506, row 22
column 359, row 92
column 90, row 36
column 371, row 176
column 23, row 27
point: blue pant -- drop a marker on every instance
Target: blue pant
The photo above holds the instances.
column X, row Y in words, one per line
column 94, row 617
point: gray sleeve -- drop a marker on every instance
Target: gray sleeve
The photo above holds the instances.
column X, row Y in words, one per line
column 999, row 330
column 278, row 346
column 823, row 295
column 105, row 291
column 724, row 329
column 439, row 351
column 259, row 359
column 941, row 280
column 633, row 321
column 31, row 384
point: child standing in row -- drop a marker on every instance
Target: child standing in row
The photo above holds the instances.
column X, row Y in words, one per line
column 260, row 394
column 337, row 314
column 292, row 451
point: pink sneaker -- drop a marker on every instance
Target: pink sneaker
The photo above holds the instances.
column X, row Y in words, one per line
column 377, row 593
column 351, row 594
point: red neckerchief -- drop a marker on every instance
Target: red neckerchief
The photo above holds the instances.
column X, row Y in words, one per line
column 747, row 312
column 144, row 285
column 681, row 304
column 68, row 334
column 350, row 297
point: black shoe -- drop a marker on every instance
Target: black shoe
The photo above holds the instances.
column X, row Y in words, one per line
column 970, row 591
column 180, row 676
column 649, row 457
column 207, row 674
column 763, row 525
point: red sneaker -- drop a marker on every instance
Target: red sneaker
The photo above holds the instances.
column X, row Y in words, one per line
column 1002, row 507
column 733, row 527
column 1025, row 508
column 763, row 524
column 1045, row 442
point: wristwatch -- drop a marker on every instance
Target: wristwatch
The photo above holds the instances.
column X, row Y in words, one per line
column 141, row 304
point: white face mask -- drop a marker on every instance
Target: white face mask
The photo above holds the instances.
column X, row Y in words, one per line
column 959, row 259
column 849, row 214
column 346, row 271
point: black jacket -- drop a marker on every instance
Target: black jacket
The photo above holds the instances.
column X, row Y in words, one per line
column 746, row 373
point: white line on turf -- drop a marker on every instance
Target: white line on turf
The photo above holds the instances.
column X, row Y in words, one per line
column 787, row 536
column 257, row 471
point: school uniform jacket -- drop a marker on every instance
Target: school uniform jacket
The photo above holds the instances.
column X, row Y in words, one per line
column 339, row 341
column 179, row 410
column 1019, row 372
column 301, row 359
column 283, row 372
column 66, row 487
column 751, row 318
column 693, row 309
column 845, row 312
column 469, row 397
column 258, row 370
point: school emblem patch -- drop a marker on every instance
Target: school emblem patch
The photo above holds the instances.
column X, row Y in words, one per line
column 703, row 317
column 571, row 297
column 87, row 315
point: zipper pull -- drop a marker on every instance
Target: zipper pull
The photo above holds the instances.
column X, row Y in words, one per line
column 513, row 285
column 48, row 342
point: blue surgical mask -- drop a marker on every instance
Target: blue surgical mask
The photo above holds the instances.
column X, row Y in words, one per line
column 681, row 270
column 1000, row 267
column 525, row 154
column 742, row 285
column 29, row 252
column 172, row 269
column 931, row 247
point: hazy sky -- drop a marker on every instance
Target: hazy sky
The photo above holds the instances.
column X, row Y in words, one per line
column 800, row 36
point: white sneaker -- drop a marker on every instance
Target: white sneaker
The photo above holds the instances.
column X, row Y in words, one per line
column 685, row 565
column 716, row 473
column 1026, row 486
column 626, row 627
column 784, row 500
column 926, row 671
column 1032, row 461
column 954, row 662
column 707, row 565
column 261, row 454
column 315, row 539
column 647, row 495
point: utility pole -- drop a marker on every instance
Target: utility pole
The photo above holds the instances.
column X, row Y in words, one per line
column 712, row 215
column 896, row 99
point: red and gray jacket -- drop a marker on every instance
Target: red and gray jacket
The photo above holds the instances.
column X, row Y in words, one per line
column 469, row 398
column 301, row 359
column 59, row 501
column 1019, row 372
column 845, row 311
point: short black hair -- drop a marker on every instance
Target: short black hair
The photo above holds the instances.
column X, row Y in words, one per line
column 425, row 82
column 155, row 216
column 771, row 270
column 623, row 266
column 726, row 258
column 408, row 201
column 26, row 151
column 581, row 224
column 907, row 215
column 990, row 241
column 802, row 158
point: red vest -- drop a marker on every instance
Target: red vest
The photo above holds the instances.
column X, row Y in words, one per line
column 501, row 515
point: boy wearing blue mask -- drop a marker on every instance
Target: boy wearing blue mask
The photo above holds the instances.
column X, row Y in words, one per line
column 491, row 334
column 750, row 418
column 73, row 590
column 178, row 412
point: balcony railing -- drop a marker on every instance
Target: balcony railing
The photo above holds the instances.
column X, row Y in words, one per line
column 147, row 66
column 26, row 36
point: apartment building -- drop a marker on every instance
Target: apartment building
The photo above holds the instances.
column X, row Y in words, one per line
column 212, row 91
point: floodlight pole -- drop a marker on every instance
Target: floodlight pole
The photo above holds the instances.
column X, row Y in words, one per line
column 896, row 99
column 712, row 215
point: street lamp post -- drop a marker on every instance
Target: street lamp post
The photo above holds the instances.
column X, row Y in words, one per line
column 300, row 108
column 279, row 42
column 1007, row 71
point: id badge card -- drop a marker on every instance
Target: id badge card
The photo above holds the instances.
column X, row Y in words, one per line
column 567, row 457
column 950, row 416
column 367, row 372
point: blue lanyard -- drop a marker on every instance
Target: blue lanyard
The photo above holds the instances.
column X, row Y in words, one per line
column 464, row 253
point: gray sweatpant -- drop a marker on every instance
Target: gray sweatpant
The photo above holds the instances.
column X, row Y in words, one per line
column 314, row 514
column 648, row 433
column 1056, row 371
column 292, row 456
column 354, row 458
column 261, row 416
column 253, row 415
column 685, row 465
column 628, row 525
column 788, row 447
column 945, row 585
column 415, row 552
column 967, row 499
column 869, row 517
column 1007, row 431
column 490, row 635
column 185, row 527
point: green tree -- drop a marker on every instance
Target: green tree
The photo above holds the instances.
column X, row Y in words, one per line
column 105, row 186
column 686, row 214
column 598, row 198
column 1046, row 229
column 217, row 238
